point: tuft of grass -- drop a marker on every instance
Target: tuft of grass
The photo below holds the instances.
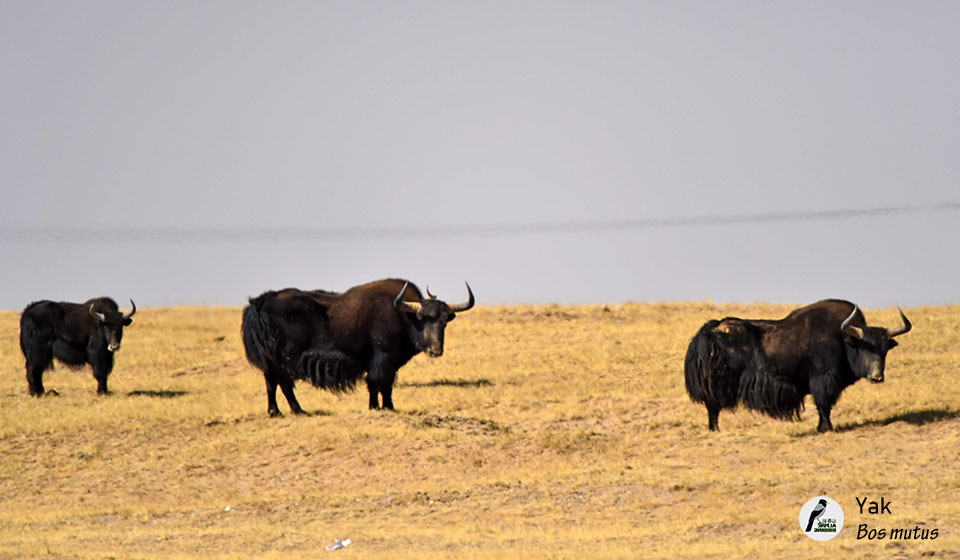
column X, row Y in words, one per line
column 543, row 432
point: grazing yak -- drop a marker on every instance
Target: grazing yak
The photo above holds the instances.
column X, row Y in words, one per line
column 333, row 338
column 770, row 366
column 74, row 333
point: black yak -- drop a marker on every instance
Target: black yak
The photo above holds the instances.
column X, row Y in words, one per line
column 333, row 339
column 770, row 366
column 74, row 333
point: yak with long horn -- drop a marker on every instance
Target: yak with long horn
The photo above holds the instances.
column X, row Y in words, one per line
column 73, row 333
column 332, row 338
column 771, row 365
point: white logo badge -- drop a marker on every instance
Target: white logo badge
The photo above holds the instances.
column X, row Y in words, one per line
column 821, row 518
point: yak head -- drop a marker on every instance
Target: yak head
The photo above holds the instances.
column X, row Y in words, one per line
column 429, row 318
column 112, row 323
column 867, row 346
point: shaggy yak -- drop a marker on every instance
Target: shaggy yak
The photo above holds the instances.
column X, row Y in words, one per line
column 770, row 366
column 332, row 339
column 74, row 333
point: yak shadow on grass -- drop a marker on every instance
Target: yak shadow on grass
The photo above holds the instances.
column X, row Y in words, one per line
column 462, row 383
column 157, row 394
column 311, row 413
column 915, row 418
column 257, row 417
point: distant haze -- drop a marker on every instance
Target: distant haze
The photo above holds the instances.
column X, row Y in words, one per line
column 202, row 152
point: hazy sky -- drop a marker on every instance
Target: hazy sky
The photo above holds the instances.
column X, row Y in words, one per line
column 201, row 152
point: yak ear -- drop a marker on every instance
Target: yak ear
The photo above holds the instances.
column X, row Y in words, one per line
column 850, row 339
column 127, row 321
column 891, row 344
column 451, row 317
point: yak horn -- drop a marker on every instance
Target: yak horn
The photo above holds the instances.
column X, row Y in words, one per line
column 408, row 306
column 133, row 309
column 429, row 295
column 901, row 330
column 98, row 316
column 464, row 306
column 856, row 331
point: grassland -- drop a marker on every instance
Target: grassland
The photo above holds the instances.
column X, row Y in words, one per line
column 543, row 432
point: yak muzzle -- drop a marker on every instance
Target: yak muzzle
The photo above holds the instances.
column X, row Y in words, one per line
column 875, row 377
column 434, row 352
column 113, row 347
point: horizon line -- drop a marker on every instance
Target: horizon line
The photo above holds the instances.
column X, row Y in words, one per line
column 241, row 234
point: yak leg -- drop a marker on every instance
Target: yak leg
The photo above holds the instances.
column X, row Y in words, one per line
column 380, row 382
column 101, row 378
column 102, row 362
column 712, row 414
column 373, row 387
column 287, row 387
column 386, row 391
column 272, row 408
column 825, row 425
column 825, row 390
column 35, row 379
column 100, row 373
column 824, row 404
column 102, row 385
column 39, row 357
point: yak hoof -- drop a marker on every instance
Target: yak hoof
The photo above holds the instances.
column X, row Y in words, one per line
column 301, row 412
column 275, row 413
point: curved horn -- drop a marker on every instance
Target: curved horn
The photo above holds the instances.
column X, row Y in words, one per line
column 429, row 295
column 133, row 309
column 464, row 306
column 901, row 330
column 856, row 331
column 98, row 316
column 407, row 306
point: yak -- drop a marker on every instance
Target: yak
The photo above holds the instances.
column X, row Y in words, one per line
column 74, row 333
column 332, row 339
column 771, row 365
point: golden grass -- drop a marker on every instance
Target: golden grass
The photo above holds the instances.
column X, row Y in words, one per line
column 543, row 432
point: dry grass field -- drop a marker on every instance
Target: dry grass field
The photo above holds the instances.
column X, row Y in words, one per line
column 543, row 432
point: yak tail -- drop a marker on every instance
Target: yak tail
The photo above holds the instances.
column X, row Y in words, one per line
column 326, row 368
column 761, row 389
column 260, row 336
column 36, row 339
column 330, row 369
column 709, row 377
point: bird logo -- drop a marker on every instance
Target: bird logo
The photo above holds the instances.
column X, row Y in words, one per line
column 821, row 518
column 817, row 512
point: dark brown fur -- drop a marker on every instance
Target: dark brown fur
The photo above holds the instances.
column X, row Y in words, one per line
column 770, row 365
column 333, row 339
column 71, row 334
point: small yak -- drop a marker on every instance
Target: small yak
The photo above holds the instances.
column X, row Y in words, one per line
column 332, row 339
column 74, row 333
column 770, row 366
